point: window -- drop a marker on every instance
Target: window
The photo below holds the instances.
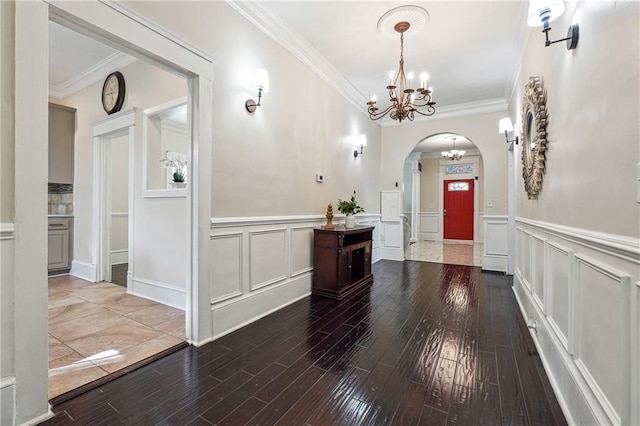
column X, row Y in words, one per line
column 458, row 186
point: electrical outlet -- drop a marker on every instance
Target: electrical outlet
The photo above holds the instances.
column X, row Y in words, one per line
column 319, row 177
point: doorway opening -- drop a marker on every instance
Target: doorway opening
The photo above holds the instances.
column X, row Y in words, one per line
column 444, row 200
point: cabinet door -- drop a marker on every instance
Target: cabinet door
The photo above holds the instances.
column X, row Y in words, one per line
column 62, row 129
column 344, row 266
column 367, row 258
column 58, row 257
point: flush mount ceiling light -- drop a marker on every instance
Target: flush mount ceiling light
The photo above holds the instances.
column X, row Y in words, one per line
column 405, row 100
column 454, row 154
column 542, row 12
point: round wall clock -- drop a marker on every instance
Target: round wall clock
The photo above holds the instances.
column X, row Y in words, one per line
column 534, row 135
column 113, row 92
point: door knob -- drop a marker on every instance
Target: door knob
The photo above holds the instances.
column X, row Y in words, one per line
column 445, row 212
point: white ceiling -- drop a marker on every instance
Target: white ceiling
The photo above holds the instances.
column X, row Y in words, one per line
column 470, row 49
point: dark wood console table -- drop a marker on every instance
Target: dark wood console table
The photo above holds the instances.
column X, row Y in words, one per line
column 341, row 260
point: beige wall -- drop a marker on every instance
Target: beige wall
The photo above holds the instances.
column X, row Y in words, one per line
column 429, row 181
column 265, row 163
column 481, row 129
column 593, row 133
column 6, row 112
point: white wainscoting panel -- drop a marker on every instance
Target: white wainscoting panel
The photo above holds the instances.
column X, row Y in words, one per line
column 301, row 250
column 558, row 280
column 429, row 226
column 601, row 348
column 261, row 264
column 226, row 266
column 7, row 325
column 495, row 255
column 268, row 254
column 538, row 261
column 584, row 298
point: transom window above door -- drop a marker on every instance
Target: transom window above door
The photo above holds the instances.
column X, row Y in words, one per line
column 458, row 186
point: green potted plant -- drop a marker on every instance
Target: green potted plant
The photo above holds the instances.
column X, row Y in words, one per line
column 178, row 170
column 349, row 208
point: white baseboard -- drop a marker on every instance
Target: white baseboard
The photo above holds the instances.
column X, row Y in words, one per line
column 84, row 270
column 392, row 253
column 497, row 263
column 159, row 292
column 118, row 257
column 232, row 314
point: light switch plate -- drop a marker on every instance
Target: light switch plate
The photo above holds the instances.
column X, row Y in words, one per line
column 319, row 177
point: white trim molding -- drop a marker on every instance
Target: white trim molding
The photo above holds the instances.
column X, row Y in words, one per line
column 7, row 231
column 581, row 288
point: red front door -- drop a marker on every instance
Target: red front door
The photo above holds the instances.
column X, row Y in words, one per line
column 458, row 209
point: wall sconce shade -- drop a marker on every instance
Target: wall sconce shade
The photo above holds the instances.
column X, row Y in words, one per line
column 261, row 82
column 362, row 141
column 506, row 126
column 542, row 12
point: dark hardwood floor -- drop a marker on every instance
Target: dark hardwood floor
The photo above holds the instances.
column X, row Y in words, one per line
column 119, row 274
column 426, row 344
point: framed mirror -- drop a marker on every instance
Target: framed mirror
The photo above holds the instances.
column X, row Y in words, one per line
column 534, row 135
column 165, row 150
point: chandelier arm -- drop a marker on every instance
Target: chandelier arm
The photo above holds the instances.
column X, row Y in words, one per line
column 378, row 115
column 429, row 111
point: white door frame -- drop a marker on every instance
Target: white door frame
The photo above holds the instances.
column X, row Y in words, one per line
column 119, row 124
column 116, row 26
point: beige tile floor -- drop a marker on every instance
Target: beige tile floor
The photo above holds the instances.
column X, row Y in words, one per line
column 96, row 329
column 446, row 252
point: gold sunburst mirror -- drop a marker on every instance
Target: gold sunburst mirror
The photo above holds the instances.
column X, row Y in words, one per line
column 534, row 135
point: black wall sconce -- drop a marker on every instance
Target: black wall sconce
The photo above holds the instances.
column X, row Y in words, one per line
column 505, row 126
column 261, row 81
column 542, row 12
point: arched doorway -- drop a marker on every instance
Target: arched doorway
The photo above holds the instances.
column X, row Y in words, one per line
column 444, row 197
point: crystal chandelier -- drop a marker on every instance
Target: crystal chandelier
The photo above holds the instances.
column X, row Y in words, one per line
column 405, row 101
column 454, row 154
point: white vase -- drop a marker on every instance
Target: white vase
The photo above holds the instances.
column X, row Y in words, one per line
column 350, row 221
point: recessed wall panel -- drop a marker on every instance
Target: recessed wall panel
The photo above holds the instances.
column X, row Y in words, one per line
column 267, row 257
column 301, row 250
column 601, row 323
column 226, row 266
column 558, row 288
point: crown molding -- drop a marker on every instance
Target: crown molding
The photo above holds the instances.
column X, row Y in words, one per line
column 459, row 110
column 91, row 75
column 299, row 47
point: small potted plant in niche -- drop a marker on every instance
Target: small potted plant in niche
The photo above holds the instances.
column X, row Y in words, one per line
column 178, row 171
column 349, row 208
